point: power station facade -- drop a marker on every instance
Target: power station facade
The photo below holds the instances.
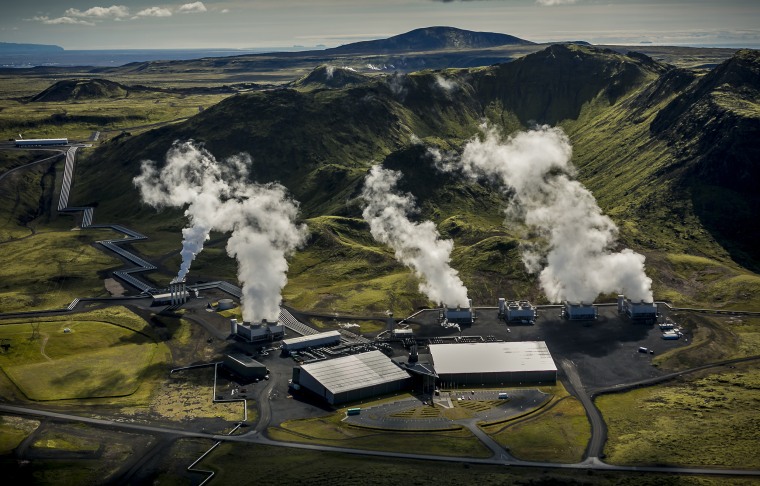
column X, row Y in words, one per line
column 329, row 338
column 245, row 366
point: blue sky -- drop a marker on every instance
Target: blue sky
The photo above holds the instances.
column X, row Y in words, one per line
column 144, row 24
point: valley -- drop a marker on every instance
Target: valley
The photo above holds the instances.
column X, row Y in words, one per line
column 665, row 144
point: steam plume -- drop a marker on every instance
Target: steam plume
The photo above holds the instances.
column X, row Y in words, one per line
column 417, row 245
column 217, row 197
column 573, row 250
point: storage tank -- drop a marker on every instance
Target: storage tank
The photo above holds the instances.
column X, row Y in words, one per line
column 225, row 304
column 233, row 327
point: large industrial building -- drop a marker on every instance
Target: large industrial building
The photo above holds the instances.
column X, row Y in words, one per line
column 352, row 378
column 245, row 366
column 329, row 338
column 493, row 363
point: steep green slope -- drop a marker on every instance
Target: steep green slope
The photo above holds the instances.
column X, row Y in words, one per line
column 320, row 144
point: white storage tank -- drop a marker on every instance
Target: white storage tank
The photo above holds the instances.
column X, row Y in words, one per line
column 225, row 304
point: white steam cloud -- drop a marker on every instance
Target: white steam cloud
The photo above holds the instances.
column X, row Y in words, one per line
column 217, row 196
column 574, row 250
column 417, row 245
column 447, row 85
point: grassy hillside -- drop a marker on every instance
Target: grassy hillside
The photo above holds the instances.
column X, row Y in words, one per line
column 320, row 143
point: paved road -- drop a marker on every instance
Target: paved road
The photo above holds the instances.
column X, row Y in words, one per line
column 595, row 446
column 257, row 438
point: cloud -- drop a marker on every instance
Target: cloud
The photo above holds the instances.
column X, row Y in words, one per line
column 225, row 10
column 154, row 12
column 195, row 7
column 549, row 3
column 61, row 21
column 112, row 12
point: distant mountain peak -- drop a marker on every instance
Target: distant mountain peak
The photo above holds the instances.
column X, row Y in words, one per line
column 434, row 38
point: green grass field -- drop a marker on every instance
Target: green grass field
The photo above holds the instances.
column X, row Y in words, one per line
column 331, row 431
column 113, row 356
column 556, row 432
column 48, row 270
column 13, row 430
column 709, row 421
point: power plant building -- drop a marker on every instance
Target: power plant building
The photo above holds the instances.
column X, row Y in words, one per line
column 517, row 311
column 643, row 311
column 245, row 366
column 493, row 363
column 257, row 332
column 177, row 295
column 579, row 311
column 329, row 338
column 458, row 315
column 352, row 378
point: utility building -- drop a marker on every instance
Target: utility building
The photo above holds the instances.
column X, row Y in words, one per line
column 329, row 338
column 458, row 315
column 517, row 311
column 579, row 311
column 258, row 331
column 352, row 378
column 493, row 363
column 638, row 311
column 245, row 366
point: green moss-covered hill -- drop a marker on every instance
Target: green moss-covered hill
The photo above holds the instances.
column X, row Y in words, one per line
column 667, row 153
column 82, row 89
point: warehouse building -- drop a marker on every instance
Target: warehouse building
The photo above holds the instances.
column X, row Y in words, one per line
column 493, row 363
column 579, row 311
column 638, row 311
column 245, row 366
column 352, row 378
column 329, row 338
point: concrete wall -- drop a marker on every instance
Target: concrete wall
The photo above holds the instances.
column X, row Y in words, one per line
column 506, row 378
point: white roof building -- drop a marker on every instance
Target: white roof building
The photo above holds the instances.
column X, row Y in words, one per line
column 493, row 363
column 352, row 378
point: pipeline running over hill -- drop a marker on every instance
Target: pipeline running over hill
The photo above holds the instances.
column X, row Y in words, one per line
column 217, row 196
column 569, row 242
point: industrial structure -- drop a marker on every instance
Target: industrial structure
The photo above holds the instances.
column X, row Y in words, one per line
column 245, row 366
column 493, row 363
column 329, row 338
column 457, row 315
column 579, row 311
column 258, row 331
column 517, row 311
column 41, row 142
column 638, row 311
column 177, row 295
column 352, row 378
column 225, row 304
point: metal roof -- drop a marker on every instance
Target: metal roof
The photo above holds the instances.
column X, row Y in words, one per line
column 244, row 360
column 355, row 372
column 491, row 357
column 310, row 337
